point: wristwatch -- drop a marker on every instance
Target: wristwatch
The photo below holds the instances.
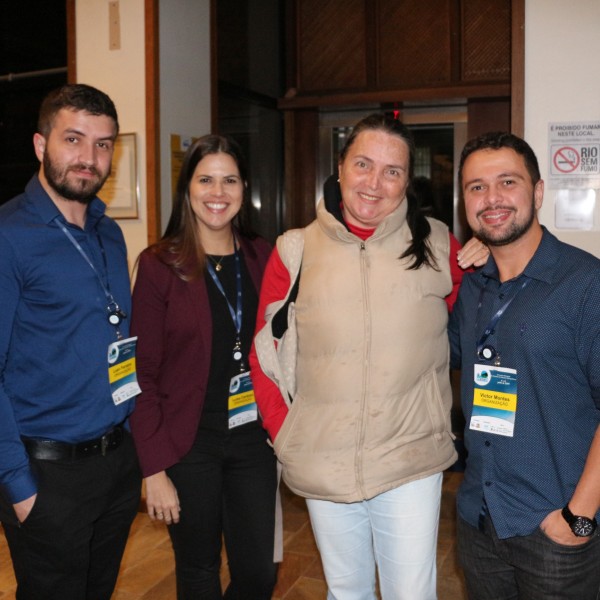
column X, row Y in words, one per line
column 580, row 526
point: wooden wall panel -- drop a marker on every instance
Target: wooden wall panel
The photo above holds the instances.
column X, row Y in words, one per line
column 301, row 152
column 415, row 43
column 486, row 40
column 332, row 44
column 485, row 115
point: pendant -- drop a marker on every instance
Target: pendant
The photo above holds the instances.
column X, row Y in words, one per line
column 218, row 267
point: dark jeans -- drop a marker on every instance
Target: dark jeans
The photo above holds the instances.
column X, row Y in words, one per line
column 71, row 544
column 227, row 487
column 530, row 567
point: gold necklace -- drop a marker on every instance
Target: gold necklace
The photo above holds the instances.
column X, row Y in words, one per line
column 217, row 264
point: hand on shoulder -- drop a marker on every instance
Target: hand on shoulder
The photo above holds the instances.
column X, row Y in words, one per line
column 473, row 254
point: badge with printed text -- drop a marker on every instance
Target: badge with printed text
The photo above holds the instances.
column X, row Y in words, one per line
column 122, row 374
column 242, row 404
column 494, row 400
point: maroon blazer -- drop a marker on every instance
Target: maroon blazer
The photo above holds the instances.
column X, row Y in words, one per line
column 173, row 322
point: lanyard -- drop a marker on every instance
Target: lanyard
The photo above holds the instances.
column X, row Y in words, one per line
column 115, row 314
column 236, row 315
column 488, row 352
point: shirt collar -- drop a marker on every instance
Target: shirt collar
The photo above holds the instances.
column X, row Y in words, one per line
column 42, row 202
column 542, row 263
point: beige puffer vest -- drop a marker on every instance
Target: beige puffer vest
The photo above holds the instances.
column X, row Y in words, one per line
column 372, row 404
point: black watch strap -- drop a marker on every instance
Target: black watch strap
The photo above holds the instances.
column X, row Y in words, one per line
column 580, row 526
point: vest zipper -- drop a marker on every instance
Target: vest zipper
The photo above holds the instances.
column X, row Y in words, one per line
column 358, row 462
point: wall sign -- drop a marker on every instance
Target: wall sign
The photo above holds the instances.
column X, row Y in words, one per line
column 574, row 161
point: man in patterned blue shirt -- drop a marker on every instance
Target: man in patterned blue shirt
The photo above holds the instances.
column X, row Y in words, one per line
column 526, row 333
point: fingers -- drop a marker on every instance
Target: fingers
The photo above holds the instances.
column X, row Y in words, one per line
column 161, row 499
column 166, row 515
column 474, row 253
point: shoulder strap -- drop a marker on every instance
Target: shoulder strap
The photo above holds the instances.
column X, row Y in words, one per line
column 290, row 247
column 276, row 342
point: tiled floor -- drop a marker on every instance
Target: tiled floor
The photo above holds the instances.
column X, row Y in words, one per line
column 147, row 568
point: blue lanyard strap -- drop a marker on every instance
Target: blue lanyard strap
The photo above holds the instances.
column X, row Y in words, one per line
column 115, row 313
column 494, row 320
column 236, row 315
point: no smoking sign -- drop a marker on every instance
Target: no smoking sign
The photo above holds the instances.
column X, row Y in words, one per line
column 575, row 159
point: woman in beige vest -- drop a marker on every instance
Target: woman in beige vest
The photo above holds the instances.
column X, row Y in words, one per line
column 368, row 433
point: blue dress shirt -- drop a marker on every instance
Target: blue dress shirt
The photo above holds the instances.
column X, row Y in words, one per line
column 54, row 331
column 550, row 334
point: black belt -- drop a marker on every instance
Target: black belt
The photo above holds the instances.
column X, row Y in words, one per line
column 52, row 450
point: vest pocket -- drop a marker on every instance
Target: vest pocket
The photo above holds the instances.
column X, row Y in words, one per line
column 439, row 416
column 279, row 443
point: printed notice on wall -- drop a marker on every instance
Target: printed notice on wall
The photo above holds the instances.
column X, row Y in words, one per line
column 574, row 170
column 574, row 155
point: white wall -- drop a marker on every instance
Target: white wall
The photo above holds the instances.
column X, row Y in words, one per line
column 184, row 42
column 184, row 80
column 119, row 73
column 562, row 84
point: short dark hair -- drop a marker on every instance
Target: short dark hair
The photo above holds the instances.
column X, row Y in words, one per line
column 495, row 140
column 75, row 96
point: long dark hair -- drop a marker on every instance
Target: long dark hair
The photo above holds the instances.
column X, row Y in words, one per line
column 180, row 247
column 420, row 229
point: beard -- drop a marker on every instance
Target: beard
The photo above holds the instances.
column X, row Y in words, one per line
column 79, row 190
column 507, row 236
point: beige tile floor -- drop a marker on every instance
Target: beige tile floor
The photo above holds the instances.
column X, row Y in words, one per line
column 147, row 571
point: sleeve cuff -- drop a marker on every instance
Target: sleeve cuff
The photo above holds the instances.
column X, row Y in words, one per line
column 22, row 487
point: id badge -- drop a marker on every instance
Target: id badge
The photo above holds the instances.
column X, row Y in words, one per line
column 122, row 374
column 494, row 400
column 242, row 404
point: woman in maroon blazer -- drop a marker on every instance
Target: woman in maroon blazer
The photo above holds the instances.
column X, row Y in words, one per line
column 207, row 466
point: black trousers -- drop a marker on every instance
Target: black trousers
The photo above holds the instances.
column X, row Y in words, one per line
column 227, row 487
column 71, row 544
column 531, row 567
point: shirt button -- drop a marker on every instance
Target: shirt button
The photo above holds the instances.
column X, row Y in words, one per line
column 488, row 483
column 488, row 443
column 501, row 296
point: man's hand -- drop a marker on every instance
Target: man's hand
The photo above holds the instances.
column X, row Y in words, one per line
column 558, row 530
column 23, row 508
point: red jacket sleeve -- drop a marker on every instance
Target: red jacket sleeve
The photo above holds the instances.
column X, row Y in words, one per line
column 455, row 271
column 272, row 407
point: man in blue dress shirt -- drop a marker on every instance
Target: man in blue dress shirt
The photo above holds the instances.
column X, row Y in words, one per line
column 69, row 478
column 526, row 331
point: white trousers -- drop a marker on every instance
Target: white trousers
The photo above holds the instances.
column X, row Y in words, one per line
column 394, row 533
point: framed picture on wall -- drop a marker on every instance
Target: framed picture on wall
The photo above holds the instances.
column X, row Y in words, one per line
column 121, row 190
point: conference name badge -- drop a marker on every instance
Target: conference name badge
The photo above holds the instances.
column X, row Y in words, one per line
column 494, row 400
column 122, row 374
column 242, row 404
